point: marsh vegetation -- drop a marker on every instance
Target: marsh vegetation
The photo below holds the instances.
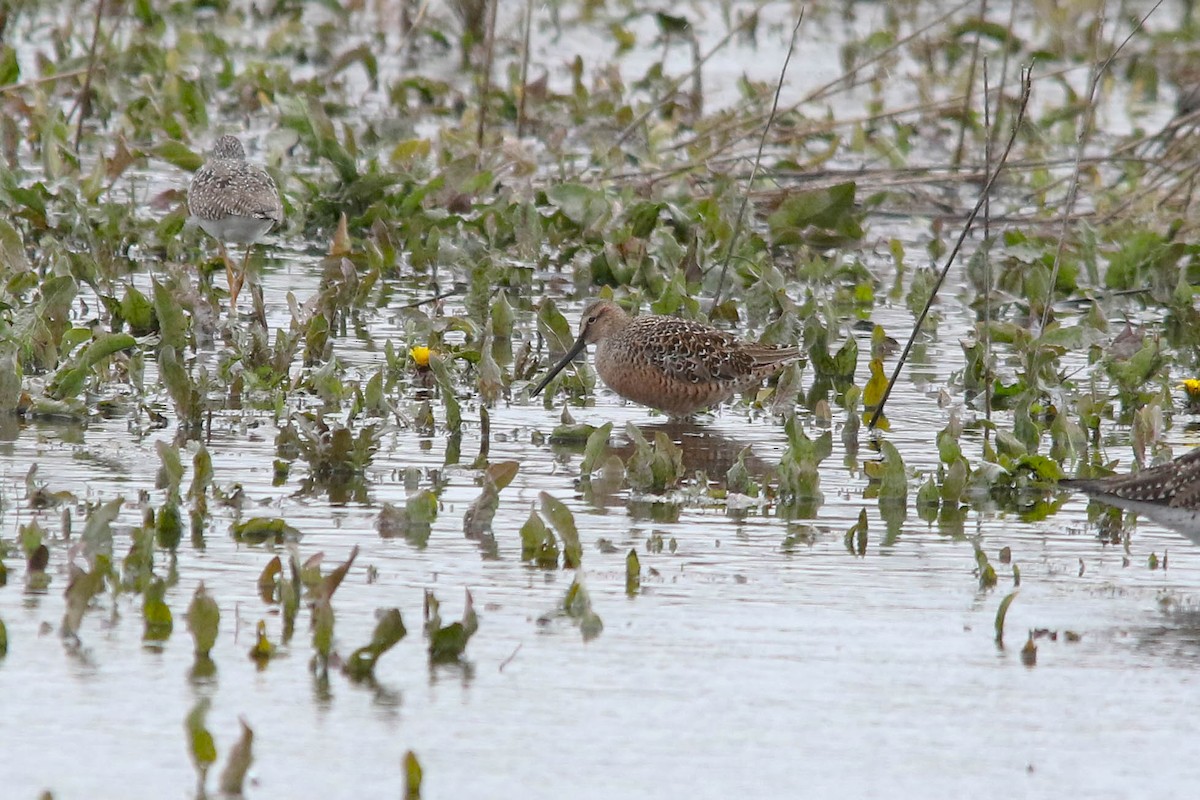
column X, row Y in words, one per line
column 333, row 546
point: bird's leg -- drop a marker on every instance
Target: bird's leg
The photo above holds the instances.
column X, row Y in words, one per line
column 228, row 274
column 238, row 278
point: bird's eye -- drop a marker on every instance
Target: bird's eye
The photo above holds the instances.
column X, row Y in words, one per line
column 592, row 319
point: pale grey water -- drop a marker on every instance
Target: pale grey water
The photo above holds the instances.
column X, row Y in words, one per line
column 742, row 667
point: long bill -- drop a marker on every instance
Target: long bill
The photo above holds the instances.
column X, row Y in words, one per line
column 575, row 350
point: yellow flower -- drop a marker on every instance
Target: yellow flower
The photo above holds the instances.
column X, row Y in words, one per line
column 420, row 356
column 1192, row 387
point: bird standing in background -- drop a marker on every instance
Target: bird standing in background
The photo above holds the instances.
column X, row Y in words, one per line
column 234, row 201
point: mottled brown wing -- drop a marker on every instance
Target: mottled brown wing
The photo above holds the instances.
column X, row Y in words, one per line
column 688, row 351
column 234, row 189
column 1176, row 483
column 1185, row 481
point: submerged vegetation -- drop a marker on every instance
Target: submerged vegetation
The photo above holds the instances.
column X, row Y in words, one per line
column 457, row 183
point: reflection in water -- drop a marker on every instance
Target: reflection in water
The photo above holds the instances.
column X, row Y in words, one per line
column 1115, row 526
column 1177, row 639
column 704, row 449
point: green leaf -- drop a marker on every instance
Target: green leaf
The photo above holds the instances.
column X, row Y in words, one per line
column 322, row 627
column 202, row 473
column 1002, row 614
column 10, row 378
column 156, row 614
column 595, row 449
column 169, row 525
column 12, row 251
column 412, row 776
column 633, row 572
column 69, row 380
column 331, row 582
column 170, row 473
column 538, row 543
column 203, row 620
column 201, row 745
column 172, row 324
column 388, row 631
column 137, row 311
column 261, row 529
column 10, row 68
column 564, row 525
column 179, row 385
column 580, row 204
column 823, row 217
column 578, row 606
column 179, row 155
column 894, row 480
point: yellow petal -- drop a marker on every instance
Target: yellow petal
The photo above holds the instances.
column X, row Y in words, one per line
column 420, row 356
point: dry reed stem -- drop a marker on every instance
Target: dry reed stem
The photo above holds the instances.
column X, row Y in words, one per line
column 1026, row 89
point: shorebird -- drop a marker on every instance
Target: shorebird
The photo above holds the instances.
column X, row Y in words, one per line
column 234, row 201
column 671, row 364
column 1168, row 493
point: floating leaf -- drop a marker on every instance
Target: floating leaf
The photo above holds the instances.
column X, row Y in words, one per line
column 269, row 579
column 538, row 543
column 156, row 614
column 564, row 525
column 893, row 480
column 856, row 536
column 388, row 631
column 200, row 742
column 257, row 530
column 263, row 650
column 333, row 580
column 81, row 588
column 1029, row 652
column 203, row 620
column 447, row 644
column 633, row 573
column 1002, row 614
column 578, row 606
column 412, row 776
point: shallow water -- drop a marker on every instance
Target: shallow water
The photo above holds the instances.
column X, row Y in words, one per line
column 745, row 665
column 742, row 666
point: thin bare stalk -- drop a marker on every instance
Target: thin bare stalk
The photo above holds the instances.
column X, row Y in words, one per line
column 966, row 106
column 1085, row 134
column 434, row 298
column 737, row 228
column 642, row 117
column 821, row 91
column 524, row 69
column 409, row 25
column 987, row 260
column 1026, row 88
column 83, row 103
column 58, row 76
column 485, row 81
column 1012, row 21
